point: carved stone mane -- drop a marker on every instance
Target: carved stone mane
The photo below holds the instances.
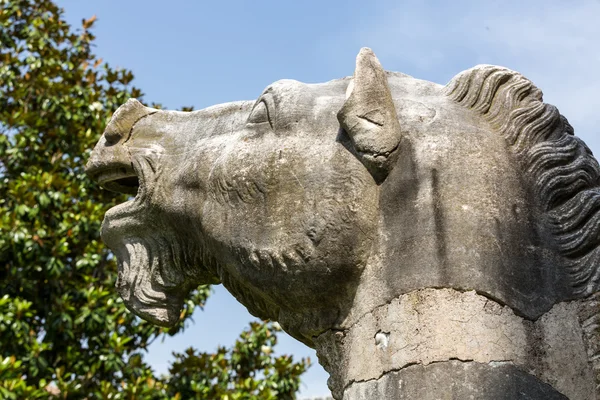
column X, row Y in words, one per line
column 559, row 167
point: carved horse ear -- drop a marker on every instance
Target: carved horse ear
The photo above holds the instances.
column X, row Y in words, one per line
column 369, row 117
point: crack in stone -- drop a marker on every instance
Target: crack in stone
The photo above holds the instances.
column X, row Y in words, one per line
column 548, row 377
column 411, row 364
column 459, row 290
column 129, row 134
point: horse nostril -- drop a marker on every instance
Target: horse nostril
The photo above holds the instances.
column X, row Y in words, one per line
column 112, row 136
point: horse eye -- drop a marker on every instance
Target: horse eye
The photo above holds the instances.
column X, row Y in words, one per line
column 260, row 114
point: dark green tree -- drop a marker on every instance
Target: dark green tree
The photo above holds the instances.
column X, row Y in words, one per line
column 64, row 332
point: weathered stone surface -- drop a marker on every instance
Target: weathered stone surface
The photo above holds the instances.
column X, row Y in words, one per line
column 455, row 380
column 437, row 325
column 327, row 206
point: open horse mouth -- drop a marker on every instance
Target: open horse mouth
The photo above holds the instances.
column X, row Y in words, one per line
column 120, row 178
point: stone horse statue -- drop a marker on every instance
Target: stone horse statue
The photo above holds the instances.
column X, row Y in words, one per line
column 431, row 242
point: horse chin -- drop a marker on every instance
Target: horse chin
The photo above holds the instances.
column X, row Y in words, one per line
column 144, row 290
column 165, row 314
column 149, row 300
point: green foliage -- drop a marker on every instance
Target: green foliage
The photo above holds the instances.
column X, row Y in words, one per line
column 64, row 332
column 247, row 371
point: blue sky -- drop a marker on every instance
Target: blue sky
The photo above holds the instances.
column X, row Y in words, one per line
column 207, row 52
